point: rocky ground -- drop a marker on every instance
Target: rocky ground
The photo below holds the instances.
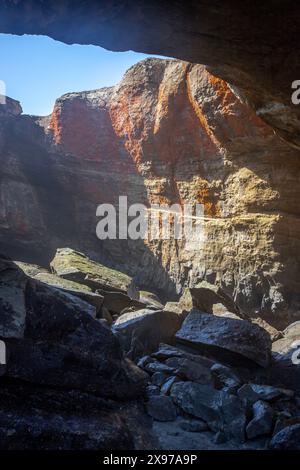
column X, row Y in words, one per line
column 95, row 363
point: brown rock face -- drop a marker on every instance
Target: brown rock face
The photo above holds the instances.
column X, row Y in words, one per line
column 252, row 45
column 170, row 132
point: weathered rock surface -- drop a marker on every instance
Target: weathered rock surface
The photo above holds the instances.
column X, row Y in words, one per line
column 71, row 264
column 207, row 298
column 287, row 439
column 53, row 339
column 170, row 132
column 262, row 422
column 141, row 331
column 219, row 410
column 63, row 360
column 226, row 335
column 78, row 290
column 254, row 392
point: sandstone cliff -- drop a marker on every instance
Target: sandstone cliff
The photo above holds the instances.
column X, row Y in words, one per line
column 169, row 132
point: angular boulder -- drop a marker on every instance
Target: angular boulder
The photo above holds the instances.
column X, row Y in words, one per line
column 221, row 411
column 226, row 337
column 140, row 332
column 116, row 302
column 52, row 339
column 208, row 298
column 150, row 299
column 75, row 266
column 254, row 392
column 78, row 290
column 262, row 421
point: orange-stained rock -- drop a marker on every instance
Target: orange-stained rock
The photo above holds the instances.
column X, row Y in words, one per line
column 169, row 132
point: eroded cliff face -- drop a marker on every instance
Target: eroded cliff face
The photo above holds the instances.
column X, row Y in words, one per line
column 170, row 132
column 253, row 45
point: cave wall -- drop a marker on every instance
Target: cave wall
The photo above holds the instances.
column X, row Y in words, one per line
column 170, row 132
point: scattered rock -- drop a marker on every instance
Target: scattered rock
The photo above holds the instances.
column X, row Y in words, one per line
column 143, row 361
column 150, row 299
column 156, row 366
column 286, row 439
column 75, row 266
column 190, row 370
column 262, row 422
column 167, row 385
column 222, row 335
column 158, row 378
column 227, row 377
column 198, row 400
column 194, row 425
column 141, row 332
column 167, row 351
column 161, row 408
column 255, row 392
column 219, row 410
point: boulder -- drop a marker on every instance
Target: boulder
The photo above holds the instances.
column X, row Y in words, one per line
column 208, row 298
column 226, row 377
column 221, row 411
column 284, row 370
column 226, row 337
column 173, row 307
column 156, row 366
column 286, row 439
column 167, row 351
column 273, row 332
column 190, row 370
column 150, row 299
column 254, row 392
column 161, row 408
column 117, row 302
column 75, row 266
column 158, row 378
column 13, row 284
column 167, row 385
column 262, row 421
column 140, row 332
column 292, row 331
column 71, row 287
column 53, row 339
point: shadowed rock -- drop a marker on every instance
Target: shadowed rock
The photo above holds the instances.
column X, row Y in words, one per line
column 238, row 337
column 140, row 332
column 71, row 264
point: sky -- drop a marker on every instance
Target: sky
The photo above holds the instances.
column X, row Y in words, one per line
column 36, row 69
